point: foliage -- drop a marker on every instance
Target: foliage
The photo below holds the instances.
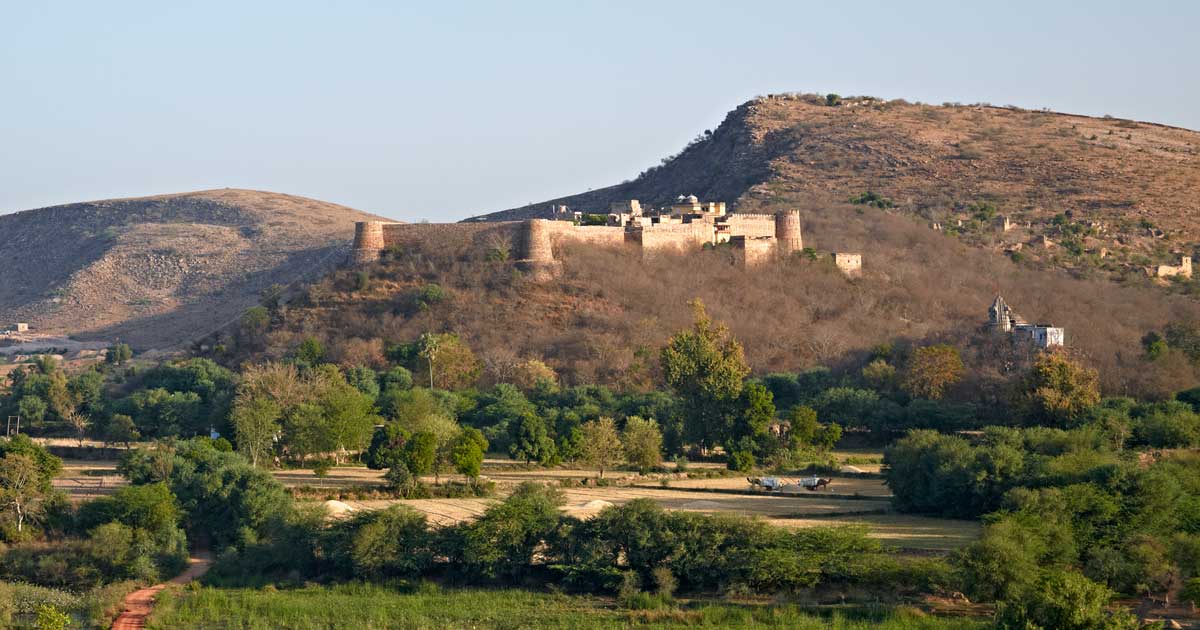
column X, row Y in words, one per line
column 501, row 543
column 256, row 426
column 1065, row 601
column 705, row 367
column 931, row 370
column 643, row 443
column 600, row 446
column 1058, row 389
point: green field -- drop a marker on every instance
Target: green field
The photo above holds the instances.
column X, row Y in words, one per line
column 369, row 606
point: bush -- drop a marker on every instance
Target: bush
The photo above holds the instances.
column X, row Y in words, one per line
column 741, row 461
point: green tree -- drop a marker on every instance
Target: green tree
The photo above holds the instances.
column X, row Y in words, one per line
column 643, row 443
column 705, row 367
column 121, row 429
column 348, row 418
column 600, row 447
column 931, row 370
column 1058, row 389
column 118, row 354
column 256, row 426
column 32, row 410
column 310, row 352
column 467, row 452
column 755, row 413
column 1063, row 600
column 420, row 452
column 387, row 446
column 530, row 439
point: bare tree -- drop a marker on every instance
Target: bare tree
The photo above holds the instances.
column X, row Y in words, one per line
column 79, row 421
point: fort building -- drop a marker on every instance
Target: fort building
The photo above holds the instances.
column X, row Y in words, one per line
column 1184, row 269
column 1002, row 318
column 686, row 225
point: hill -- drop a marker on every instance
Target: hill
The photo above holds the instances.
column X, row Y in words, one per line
column 603, row 319
column 1111, row 195
column 160, row 271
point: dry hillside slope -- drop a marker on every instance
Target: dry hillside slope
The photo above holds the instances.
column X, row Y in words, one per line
column 1129, row 188
column 160, row 271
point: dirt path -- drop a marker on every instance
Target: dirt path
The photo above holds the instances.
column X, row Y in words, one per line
column 139, row 603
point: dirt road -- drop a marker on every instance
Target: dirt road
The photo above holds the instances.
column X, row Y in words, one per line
column 139, row 603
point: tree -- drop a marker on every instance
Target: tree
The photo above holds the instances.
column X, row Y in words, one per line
column 601, row 444
column 447, row 357
column 420, row 452
column 802, row 426
column 931, row 370
column 643, row 443
column 387, row 446
column 348, row 418
column 467, row 452
column 254, row 324
column 22, row 488
column 255, row 426
column 118, row 354
column 1063, row 600
column 120, row 428
column 32, row 409
column 1058, row 389
column 756, row 412
column 310, row 352
column 530, row 439
column 77, row 421
column 705, row 367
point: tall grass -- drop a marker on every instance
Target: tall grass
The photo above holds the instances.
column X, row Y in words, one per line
column 373, row 606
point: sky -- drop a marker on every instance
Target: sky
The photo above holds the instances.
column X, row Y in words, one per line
column 442, row 110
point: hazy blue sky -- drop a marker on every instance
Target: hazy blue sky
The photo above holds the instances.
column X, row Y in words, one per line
column 447, row 109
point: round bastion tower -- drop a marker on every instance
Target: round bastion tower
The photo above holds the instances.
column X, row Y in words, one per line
column 537, row 253
column 788, row 239
column 368, row 242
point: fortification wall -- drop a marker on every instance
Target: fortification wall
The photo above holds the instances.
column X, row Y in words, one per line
column 681, row 236
column 752, row 251
column 610, row 235
column 752, row 225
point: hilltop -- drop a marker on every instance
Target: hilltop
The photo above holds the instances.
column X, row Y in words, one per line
column 160, row 271
column 1110, row 194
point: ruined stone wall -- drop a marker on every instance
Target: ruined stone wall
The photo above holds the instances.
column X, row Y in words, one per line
column 752, row 251
column 849, row 264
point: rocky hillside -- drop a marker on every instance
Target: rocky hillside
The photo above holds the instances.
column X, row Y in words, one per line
column 160, row 271
column 1109, row 194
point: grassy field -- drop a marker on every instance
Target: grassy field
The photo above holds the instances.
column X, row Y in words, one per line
column 365, row 606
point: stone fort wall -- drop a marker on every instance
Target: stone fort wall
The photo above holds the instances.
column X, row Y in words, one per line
column 754, row 237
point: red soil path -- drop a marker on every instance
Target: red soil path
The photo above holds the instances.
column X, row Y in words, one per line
column 138, row 604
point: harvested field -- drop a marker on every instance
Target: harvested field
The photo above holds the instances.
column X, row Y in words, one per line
column 905, row 531
column 83, row 480
column 840, row 485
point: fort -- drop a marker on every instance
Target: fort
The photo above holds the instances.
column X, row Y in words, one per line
column 686, row 225
column 1184, row 269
